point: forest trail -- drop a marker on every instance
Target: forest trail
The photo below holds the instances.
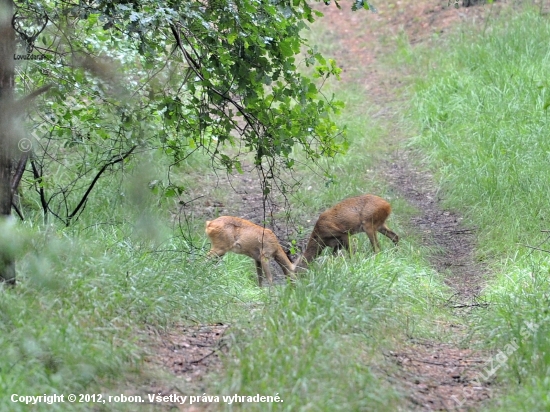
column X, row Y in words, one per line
column 433, row 375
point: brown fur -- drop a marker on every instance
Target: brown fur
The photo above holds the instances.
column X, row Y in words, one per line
column 233, row 234
column 366, row 213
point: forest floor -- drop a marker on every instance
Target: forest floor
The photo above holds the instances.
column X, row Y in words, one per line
column 434, row 375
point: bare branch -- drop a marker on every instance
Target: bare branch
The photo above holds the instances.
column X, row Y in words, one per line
column 19, row 170
column 17, row 210
column 114, row 160
column 38, row 180
column 536, row 248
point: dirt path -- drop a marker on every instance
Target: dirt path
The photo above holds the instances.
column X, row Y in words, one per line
column 441, row 375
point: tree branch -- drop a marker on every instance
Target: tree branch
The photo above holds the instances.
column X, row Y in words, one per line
column 21, row 105
column 537, row 248
column 38, row 179
column 196, row 68
column 114, row 160
column 17, row 210
column 19, row 170
column 31, row 96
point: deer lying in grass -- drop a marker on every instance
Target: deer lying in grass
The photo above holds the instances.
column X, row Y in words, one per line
column 366, row 213
column 233, row 234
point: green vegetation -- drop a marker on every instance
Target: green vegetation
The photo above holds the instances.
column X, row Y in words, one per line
column 184, row 79
column 482, row 111
column 77, row 320
column 315, row 345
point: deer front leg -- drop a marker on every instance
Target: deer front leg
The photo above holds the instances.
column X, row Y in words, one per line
column 341, row 243
column 259, row 272
column 285, row 264
column 314, row 247
column 267, row 271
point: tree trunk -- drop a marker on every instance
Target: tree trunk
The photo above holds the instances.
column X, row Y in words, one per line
column 7, row 143
column 468, row 3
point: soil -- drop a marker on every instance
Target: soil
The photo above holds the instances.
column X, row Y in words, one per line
column 434, row 375
column 188, row 354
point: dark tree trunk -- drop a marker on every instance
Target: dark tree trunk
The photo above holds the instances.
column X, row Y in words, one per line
column 468, row 3
column 7, row 143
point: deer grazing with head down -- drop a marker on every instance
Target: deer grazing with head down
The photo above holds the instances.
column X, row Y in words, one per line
column 233, row 234
column 366, row 213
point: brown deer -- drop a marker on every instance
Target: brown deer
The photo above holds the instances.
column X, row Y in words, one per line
column 233, row 234
column 366, row 213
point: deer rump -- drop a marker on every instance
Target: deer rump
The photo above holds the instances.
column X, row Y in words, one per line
column 366, row 213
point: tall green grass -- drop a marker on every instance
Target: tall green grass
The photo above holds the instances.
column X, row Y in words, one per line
column 76, row 321
column 482, row 112
column 317, row 345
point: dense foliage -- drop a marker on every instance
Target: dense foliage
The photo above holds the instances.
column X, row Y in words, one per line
column 216, row 76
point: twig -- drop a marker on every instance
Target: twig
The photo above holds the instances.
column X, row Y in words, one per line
column 190, row 201
column 38, row 179
column 428, row 362
column 210, row 354
column 536, row 248
column 17, row 210
column 19, row 170
column 24, row 102
column 459, row 231
column 470, row 305
column 204, row 357
column 114, row 160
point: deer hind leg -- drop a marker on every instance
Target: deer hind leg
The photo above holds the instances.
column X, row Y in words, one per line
column 371, row 233
column 388, row 233
column 259, row 272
